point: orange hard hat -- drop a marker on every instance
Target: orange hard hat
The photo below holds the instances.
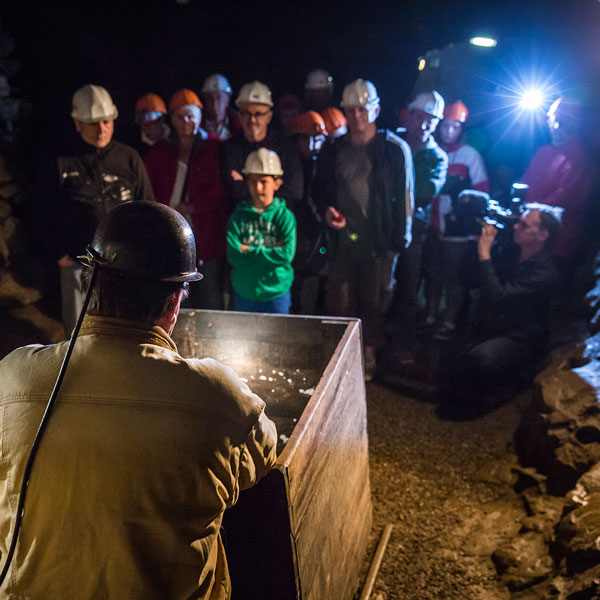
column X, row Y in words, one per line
column 151, row 103
column 457, row 111
column 182, row 98
column 310, row 123
column 334, row 119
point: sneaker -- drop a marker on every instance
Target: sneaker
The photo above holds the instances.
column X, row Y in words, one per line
column 445, row 332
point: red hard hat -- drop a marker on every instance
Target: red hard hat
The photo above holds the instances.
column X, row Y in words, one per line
column 151, row 103
column 182, row 98
column 457, row 111
column 310, row 123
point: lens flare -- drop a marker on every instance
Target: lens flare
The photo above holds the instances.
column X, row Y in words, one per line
column 531, row 99
column 483, row 42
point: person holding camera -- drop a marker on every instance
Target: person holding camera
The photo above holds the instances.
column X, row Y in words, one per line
column 517, row 281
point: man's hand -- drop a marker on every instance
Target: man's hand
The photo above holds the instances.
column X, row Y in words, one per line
column 244, row 248
column 486, row 239
column 65, row 261
column 334, row 218
column 236, row 175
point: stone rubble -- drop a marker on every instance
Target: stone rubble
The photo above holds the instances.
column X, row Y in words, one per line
column 556, row 552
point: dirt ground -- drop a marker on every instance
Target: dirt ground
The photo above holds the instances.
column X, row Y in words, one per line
column 445, row 487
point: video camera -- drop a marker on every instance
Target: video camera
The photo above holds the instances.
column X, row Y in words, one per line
column 473, row 209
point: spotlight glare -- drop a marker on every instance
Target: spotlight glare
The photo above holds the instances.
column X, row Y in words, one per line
column 531, row 99
column 484, row 42
column 422, row 63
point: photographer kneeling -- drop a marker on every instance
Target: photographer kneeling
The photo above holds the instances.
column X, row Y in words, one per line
column 511, row 329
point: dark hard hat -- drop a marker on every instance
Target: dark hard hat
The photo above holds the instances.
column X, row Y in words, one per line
column 145, row 239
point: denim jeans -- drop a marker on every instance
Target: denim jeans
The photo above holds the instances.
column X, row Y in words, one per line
column 278, row 306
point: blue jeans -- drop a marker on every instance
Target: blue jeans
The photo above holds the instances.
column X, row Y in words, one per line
column 278, row 306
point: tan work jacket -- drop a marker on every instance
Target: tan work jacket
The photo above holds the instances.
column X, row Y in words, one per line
column 143, row 452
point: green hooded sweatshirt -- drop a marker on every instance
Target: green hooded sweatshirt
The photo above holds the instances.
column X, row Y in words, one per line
column 265, row 271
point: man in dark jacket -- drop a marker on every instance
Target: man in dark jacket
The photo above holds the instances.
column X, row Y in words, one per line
column 364, row 185
column 256, row 111
column 517, row 285
column 431, row 166
column 97, row 176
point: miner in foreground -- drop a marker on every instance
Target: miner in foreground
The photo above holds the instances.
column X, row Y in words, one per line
column 144, row 449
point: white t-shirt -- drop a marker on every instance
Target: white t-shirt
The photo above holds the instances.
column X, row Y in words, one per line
column 175, row 199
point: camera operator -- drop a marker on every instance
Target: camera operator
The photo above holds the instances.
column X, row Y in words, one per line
column 511, row 329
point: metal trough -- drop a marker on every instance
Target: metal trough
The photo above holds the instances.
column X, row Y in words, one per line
column 302, row 532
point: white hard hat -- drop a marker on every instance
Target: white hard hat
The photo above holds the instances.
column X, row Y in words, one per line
column 92, row 104
column 431, row 103
column 216, row 83
column 255, row 92
column 318, row 80
column 263, row 162
column 360, row 93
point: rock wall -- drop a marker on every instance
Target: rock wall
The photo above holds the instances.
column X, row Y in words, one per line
column 556, row 553
column 22, row 276
column 14, row 110
column 17, row 269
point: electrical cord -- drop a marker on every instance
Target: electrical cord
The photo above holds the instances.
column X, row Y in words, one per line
column 42, row 427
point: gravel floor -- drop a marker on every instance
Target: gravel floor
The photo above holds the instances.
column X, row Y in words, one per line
column 440, row 484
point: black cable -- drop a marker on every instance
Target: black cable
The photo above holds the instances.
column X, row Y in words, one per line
column 42, row 427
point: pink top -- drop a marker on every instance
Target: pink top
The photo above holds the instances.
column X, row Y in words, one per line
column 562, row 176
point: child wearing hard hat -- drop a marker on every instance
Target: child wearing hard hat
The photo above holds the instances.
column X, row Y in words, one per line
column 261, row 240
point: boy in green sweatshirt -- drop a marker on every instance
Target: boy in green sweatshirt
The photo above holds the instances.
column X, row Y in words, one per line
column 261, row 240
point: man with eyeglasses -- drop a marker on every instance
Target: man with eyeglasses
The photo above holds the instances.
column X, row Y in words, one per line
column 255, row 104
column 510, row 336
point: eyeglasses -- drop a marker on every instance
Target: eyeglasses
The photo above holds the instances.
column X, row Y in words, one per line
column 524, row 224
column 255, row 115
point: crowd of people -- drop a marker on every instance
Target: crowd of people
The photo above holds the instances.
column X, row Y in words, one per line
column 323, row 214
column 300, row 206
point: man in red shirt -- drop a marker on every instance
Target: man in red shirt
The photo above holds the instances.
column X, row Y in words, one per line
column 561, row 174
